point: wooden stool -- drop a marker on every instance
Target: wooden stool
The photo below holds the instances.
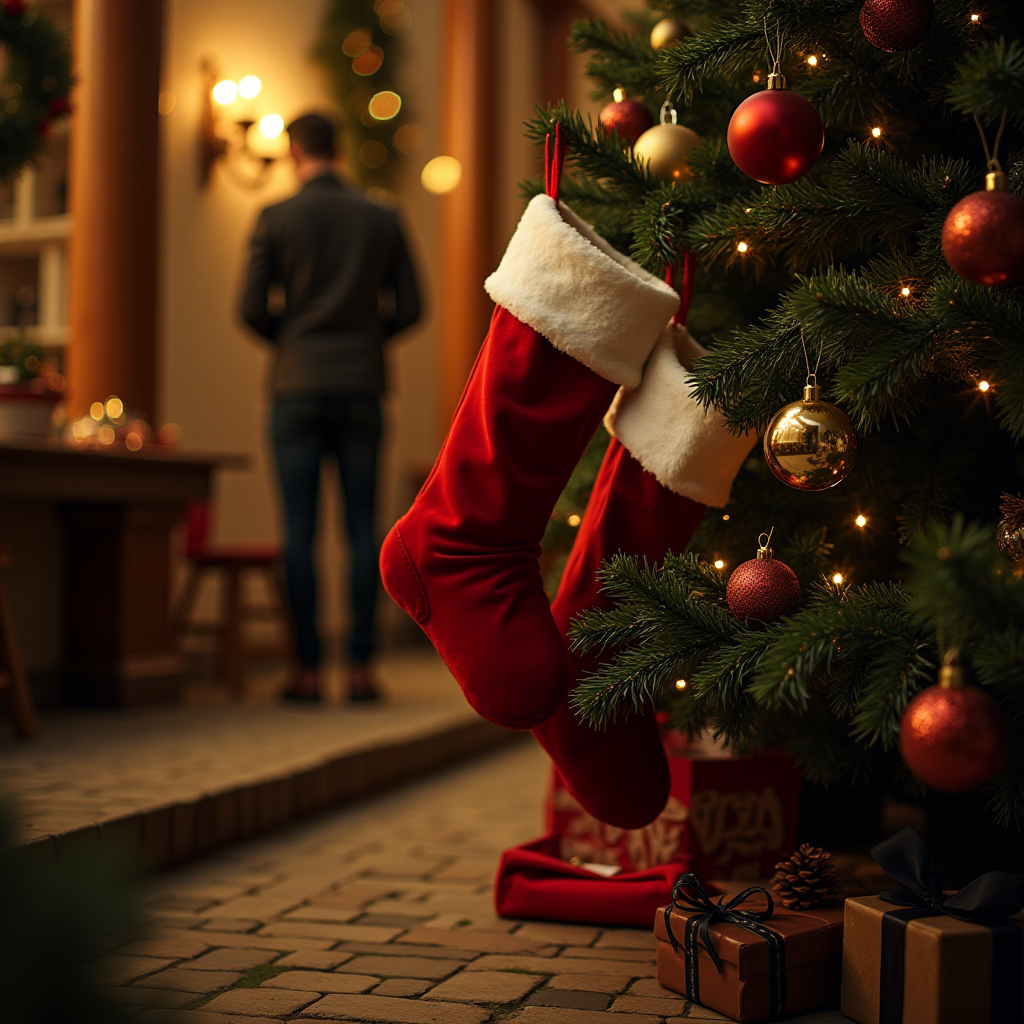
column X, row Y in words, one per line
column 12, row 670
column 232, row 561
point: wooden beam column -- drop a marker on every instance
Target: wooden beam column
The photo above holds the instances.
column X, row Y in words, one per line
column 114, row 200
column 467, row 218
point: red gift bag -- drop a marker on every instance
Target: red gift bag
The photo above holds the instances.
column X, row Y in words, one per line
column 727, row 816
column 533, row 882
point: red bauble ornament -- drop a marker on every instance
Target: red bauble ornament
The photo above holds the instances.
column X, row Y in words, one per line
column 630, row 118
column 763, row 588
column 983, row 236
column 775, row 136
column 896, row 25
column 954, row 738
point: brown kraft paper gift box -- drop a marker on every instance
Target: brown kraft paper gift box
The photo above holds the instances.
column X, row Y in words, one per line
column 812, row 941
column 948, row 967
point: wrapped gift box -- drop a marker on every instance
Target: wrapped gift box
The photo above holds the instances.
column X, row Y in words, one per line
column 808, row 965
column 726, row 817
column 945, row 975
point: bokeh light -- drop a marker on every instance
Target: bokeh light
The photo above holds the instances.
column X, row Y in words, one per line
column 225, row 92
column 441, row 175
column 385, row 105
column 249, row 87
column 271, row 126
column 373, row 154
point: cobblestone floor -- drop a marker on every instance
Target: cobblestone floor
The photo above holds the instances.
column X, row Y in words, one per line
column 87, row 767
column 383, row 912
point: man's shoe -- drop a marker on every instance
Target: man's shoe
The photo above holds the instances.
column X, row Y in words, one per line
column 361, row 688
column 306, row 687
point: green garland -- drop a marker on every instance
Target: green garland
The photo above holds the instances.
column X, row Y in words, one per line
column 357, row 35
column 35, row 87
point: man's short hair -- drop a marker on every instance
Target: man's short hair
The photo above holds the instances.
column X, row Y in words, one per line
column 314, row 135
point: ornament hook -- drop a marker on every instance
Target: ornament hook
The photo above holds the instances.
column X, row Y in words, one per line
column 811, row 390
column 776, row 79
column 764, row 551
column 995, row 179
column 667, row 111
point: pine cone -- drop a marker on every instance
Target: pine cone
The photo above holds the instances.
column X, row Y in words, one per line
column 808, row 879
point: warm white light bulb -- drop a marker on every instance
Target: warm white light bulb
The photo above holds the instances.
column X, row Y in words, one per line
column 837, row 578
column 983, row 385
column 861, row 521
column 225, row 92
column 719, row 564
column 975, row 18
column 574, row 520
column 813, row 61
column 904, row 292
column 742, row 247
column 249, row 87
column 680, row 684
column 271, row 125
column 876, row 132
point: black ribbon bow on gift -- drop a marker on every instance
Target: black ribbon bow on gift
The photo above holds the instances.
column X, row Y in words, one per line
column 698, row 933
column 988, row 900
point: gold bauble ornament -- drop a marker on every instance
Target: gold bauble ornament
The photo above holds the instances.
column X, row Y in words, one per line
column 668, row 31
column 1010, row 541
column 666, row 147
column 810, row 445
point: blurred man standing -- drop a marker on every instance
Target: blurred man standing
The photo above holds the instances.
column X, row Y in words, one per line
column 348, row 285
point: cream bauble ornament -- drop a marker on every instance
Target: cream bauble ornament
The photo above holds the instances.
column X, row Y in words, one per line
column 667, row 32
column 666, row 147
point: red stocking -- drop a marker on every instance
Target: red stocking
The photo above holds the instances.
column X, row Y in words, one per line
column 620, row 775
column 574, row 319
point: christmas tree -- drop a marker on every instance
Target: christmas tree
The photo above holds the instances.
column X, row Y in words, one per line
column 832, row 271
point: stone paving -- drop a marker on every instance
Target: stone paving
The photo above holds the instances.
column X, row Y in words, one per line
column 89, row 767
column 383, row 912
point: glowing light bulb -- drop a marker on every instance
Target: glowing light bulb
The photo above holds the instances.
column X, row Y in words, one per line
column 441, row 175
column 574, row 520
column 225, row 92
column 742, row 247
column 725, row 518
column 96, row 411
column 975, row 18
column 618, row 95
column 719, row 564
column 271, row 125
column 904, row 292
column 115, row 408
column 837, row 578
column 680, row 684
column 876, row 132
column 861, row 521
column 813, row 61
column 249, row 87
column 983, row 385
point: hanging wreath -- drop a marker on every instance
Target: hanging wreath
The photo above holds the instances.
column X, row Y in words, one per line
column 37, row 80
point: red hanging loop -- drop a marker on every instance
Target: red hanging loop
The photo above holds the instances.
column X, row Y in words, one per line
column 554, row 161
column 689, row 269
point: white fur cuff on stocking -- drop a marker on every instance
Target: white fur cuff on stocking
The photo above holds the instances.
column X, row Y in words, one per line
column 685, row 446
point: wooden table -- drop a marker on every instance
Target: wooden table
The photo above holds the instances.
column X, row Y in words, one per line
column 116, row 509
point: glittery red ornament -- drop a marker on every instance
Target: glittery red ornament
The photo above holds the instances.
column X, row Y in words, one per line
column 954, row 738
column 763, row 588
column 775, row 136
column 983, row 236
column 630, row 118
column 896, row 25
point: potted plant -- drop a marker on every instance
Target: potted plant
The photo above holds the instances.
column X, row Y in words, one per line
column 30, row 386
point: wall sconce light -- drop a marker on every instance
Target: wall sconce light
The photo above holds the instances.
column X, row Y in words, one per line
column 247, row 146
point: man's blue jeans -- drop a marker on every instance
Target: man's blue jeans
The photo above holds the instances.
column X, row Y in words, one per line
column 303, row 431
